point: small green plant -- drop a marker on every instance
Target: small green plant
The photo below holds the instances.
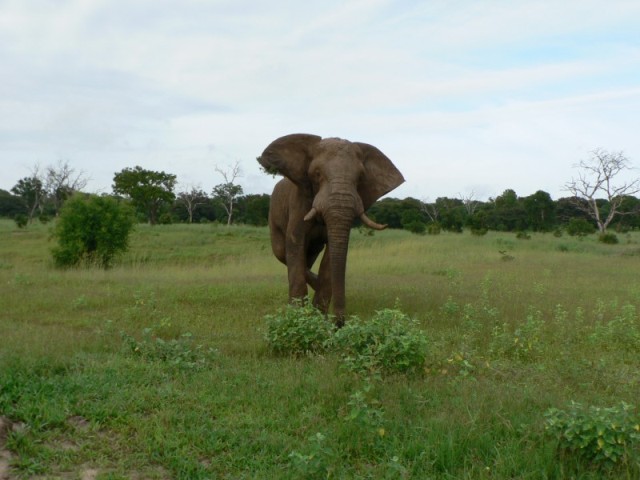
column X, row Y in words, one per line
column 317, row 462
column 603, row 436
column 91, row 230
column 522, row 342
column 522, row 235
column 299, row 329
column 479, row 231
column 179, row 352
column 608, row 238
column 390, row 341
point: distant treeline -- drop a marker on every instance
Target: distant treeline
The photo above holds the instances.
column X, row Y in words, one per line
column 507, row 212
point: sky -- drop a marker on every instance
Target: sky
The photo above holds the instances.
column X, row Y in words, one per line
column 466, row 97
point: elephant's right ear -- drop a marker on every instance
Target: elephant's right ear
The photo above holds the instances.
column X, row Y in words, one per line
column 290, row 156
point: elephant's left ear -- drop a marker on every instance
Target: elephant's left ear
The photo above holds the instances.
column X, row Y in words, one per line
column 381, row 175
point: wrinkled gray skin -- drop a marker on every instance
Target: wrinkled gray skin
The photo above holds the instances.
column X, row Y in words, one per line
column 328, row 183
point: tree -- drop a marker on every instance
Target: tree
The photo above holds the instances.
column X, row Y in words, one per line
column 91, row 229
column 227, row 193
column 61, row 181
column 540, row 211
column 192, row 198
column 31, row 191
column 147, row 189
column 10, row 205
column 598, row 176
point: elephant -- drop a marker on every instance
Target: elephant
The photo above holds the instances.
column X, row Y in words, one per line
column 327, row 184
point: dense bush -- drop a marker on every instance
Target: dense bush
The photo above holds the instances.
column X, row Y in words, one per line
column 390, row 341
column 580, row 227
column 602, row 436
column 91, row 230
column 608, row 238
column 21, row 220
column 299, row 329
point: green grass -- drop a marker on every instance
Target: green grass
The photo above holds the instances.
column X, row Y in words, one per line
column 508, row 339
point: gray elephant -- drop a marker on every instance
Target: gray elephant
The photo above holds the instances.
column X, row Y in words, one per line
column 328, row 183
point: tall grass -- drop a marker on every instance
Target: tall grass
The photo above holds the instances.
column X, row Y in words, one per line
column 508, row 339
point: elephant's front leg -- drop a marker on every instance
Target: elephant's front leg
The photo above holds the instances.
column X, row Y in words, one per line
column 322, row 298
column 296, row 270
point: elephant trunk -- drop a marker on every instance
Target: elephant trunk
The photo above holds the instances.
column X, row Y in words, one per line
column 339, row 221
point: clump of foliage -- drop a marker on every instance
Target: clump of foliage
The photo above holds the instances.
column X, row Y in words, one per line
column 180, row 352
column 21, row 220
column 603, row 436
column 524, row 342
column 299, row 329
column 390, row 341
column 91, row 230
column 479, row 231
column 522, row 235
column 620, row 333
column 317, row 463
column 579, row 227
column 608, row 238
column 434, row 228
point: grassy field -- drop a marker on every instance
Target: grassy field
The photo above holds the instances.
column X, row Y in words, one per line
column 158, row 367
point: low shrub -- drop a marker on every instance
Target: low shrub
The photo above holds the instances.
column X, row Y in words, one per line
column 180, row 352
column 299, row 329
column 434, row 229
column 602, row 436
column 390, row 341
column 21, row 220
column 580, row 227
column 608, row 238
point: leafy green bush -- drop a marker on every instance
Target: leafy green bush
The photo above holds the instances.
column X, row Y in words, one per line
column 434, row 228
column 580, row 227
column 21, row 220
column 603, row 436
column 92, row 230
column 390, row 341
column 608, row 238
column 479, row 231
column 416, row 227
column 299, row 329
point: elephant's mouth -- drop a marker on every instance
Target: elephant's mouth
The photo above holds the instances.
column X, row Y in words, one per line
column 313, row 213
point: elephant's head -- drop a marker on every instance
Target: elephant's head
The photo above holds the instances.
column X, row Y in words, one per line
column 343, row 179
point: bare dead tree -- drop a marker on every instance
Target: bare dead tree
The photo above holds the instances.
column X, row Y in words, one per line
column 61, row 181
column 191, row 198
column 597, row 177
column 228, row 192
column 469, row 202
column 430, row 209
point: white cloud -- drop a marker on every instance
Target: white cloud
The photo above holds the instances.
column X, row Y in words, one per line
column 461, row 95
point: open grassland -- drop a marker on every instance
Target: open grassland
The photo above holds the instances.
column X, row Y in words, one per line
column 158, row 368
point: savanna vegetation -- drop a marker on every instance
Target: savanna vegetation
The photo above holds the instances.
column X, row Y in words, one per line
column 167, row 365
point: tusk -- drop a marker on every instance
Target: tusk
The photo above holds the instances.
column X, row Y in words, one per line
column 311, row 214
column 370, row 223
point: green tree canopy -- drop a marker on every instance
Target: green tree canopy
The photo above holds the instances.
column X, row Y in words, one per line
column 31, row 191
column 147, row 189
